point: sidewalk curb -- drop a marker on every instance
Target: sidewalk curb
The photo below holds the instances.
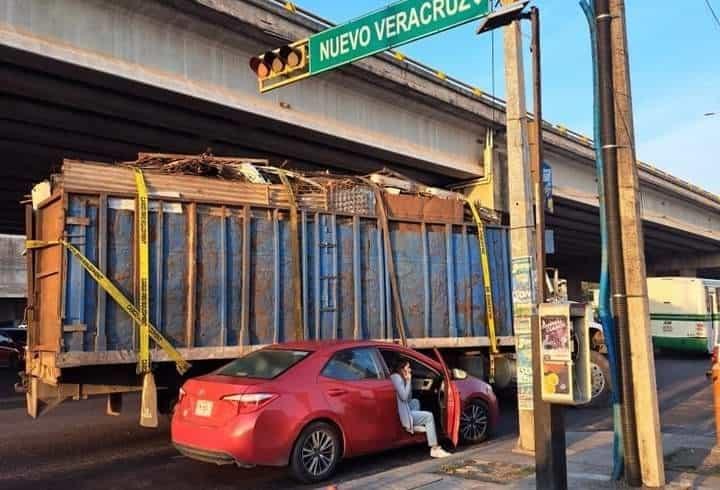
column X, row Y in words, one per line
column 589, row 466
column 425, row 467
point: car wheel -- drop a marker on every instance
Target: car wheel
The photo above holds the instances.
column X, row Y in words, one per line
column 599, row 379
column 316, row 453
column 475, row 422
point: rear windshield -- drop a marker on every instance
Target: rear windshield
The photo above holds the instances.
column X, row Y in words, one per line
column 263, row 364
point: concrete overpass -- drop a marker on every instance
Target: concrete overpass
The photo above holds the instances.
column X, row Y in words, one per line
column 101, row 80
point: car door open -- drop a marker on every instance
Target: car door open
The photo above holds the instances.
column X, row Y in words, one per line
column 449, row 403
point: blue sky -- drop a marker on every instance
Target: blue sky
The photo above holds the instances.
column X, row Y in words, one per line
column 675, row 70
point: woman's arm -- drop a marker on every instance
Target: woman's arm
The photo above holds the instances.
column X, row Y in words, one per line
column 402, row 387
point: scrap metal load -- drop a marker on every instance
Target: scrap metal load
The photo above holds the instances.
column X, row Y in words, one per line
column 242, row 254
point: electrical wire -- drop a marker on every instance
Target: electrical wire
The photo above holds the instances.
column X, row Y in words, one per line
column 712, row 12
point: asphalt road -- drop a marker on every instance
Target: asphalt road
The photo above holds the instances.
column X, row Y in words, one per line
column 78, row 447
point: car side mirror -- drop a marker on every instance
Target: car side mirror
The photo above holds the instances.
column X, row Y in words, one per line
column 459, row 374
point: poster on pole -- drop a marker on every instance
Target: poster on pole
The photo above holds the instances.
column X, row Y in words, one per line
column 523, row 336
column 547, row 178
column 523, row 286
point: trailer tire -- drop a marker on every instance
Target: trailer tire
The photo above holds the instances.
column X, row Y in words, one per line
column 600, row 380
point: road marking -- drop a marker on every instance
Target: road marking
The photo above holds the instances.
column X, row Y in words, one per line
column 589, row 476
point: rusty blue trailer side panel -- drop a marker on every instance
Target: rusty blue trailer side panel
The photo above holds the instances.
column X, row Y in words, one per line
column 344, row 276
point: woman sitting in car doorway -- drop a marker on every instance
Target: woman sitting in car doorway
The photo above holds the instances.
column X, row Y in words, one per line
column 411, row 417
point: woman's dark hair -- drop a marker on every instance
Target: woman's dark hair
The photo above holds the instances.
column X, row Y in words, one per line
column 401, row 363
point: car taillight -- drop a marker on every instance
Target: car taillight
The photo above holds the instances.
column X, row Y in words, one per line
column 715, row 354
column 181, row 394
column 250, row 401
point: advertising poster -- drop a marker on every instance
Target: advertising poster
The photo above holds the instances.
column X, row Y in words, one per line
column 556, row 378
column 523, row 286
column 555, row 336
column 524, row 369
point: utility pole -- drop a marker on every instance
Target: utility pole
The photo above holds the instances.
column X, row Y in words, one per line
column 541, row 425
column 550, row 445
column 522, row 241
column 617, row 270
column 643, row 364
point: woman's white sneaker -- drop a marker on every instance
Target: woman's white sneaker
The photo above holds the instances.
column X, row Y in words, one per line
column 438, row 452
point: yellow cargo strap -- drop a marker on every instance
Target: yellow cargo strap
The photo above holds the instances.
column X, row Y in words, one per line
column 489, row 308
column 124, row 303
column 141, row 214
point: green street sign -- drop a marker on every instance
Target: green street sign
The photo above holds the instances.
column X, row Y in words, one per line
column 392, row 26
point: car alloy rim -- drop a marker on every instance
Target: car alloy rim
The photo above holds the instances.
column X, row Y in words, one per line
column 598, row 379
column 318, row 452
column 473, row 422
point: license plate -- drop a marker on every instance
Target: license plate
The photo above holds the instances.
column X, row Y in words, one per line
column 203, row 408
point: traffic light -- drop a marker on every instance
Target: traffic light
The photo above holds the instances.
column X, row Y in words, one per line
column 281, row 66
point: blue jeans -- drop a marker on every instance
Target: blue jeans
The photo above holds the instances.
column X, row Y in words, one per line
column 425, row 420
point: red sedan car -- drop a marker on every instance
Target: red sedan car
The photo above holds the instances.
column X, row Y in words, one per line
column 309, row 404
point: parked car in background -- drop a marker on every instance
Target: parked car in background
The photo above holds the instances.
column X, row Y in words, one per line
column 12, row 354
column 310, row 404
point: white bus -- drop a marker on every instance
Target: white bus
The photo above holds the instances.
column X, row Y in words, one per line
column 684, row 313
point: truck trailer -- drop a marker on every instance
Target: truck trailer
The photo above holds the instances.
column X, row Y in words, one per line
column 243, row 255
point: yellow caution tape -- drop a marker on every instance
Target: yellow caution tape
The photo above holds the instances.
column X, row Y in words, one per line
column 489, row 307
column 124, row 303
column 141, row 214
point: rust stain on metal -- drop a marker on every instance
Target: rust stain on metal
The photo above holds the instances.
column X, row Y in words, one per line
column 424, row 208
column 191, row 257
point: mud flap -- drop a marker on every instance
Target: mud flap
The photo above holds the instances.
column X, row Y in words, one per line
column 148, row 404
column 31, row 397
column 114, row 404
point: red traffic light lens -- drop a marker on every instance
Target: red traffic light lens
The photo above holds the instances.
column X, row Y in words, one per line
column 259, row 66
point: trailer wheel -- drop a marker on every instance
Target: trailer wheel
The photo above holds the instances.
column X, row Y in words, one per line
column 600, row 380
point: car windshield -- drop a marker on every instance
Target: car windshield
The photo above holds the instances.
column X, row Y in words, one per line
column 263, row 364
